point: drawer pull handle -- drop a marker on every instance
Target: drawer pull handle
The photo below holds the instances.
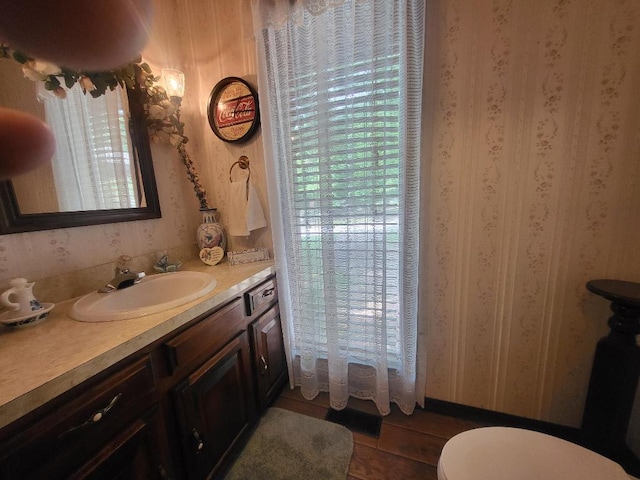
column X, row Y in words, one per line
column 199, row 442
column 94, row 418
column 268, row 292
column 265, row 366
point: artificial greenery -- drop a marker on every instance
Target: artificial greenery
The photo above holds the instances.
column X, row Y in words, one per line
column 95, row 83
column 163, row 113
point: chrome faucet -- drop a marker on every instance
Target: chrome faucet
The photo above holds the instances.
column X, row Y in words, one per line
column 123, row 277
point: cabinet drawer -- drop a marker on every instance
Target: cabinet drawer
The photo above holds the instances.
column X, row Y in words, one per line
column 261, row 297
column 206, row 336
column 54, row 445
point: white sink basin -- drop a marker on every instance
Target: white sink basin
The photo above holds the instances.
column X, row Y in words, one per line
column 154, row 293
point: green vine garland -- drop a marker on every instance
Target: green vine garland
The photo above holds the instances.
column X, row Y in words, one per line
column 163, row 113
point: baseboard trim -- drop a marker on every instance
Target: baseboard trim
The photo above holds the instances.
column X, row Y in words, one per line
column 492, row 417
column 624, row 457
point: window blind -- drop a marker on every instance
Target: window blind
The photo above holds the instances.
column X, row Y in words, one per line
column 346, row 176
column 92, row 166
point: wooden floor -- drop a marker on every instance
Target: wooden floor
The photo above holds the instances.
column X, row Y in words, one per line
column 408, row 446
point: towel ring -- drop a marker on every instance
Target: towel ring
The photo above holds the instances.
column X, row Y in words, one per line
column 243, row 163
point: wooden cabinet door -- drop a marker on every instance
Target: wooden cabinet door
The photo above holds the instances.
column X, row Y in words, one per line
column 268, row 356
column 215, row 408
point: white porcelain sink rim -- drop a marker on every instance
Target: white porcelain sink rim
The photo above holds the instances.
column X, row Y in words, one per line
column 91, row 307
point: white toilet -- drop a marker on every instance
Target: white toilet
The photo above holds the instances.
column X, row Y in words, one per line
column 504, row 453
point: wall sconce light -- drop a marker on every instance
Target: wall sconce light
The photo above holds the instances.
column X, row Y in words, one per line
column 173, row 82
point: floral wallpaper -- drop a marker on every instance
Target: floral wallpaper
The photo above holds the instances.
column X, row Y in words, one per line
column 209, row 42
column 532, row 163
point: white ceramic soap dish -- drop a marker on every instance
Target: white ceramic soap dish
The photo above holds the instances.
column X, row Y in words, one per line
column 30, row 319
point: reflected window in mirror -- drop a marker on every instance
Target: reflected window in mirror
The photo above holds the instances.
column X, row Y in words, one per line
column 92, row 168
column 102, row 170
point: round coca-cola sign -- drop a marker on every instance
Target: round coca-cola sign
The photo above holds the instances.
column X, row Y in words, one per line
column 233, row 110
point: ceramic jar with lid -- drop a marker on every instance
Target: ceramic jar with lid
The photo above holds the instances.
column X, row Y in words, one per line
column 210, row 233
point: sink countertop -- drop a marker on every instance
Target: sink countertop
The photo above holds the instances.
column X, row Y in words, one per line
column 39, row 362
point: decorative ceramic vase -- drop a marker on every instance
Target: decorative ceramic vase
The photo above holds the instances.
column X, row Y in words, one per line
column 210, row 233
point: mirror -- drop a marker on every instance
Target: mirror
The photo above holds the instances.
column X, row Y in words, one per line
column 54, row 196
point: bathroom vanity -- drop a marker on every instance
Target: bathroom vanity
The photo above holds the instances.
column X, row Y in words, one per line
column 170, row 395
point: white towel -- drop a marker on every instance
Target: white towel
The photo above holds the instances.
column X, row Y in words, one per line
column 246, row 213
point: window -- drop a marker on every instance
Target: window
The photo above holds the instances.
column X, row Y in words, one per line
column 93, row 166
column 341, row 102
column 346, row 195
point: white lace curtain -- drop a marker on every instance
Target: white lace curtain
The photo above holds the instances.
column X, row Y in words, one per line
column 93, row 166
column 340, row 98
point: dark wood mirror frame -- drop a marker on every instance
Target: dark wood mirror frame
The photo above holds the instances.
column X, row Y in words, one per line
column 13, row 221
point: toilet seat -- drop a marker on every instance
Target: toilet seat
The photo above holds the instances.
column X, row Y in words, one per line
column 505, row 453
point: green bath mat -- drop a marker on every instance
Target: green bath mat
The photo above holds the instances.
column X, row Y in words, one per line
column 290, row 446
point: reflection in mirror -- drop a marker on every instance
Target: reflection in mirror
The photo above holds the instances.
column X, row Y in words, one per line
column 102, row 169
